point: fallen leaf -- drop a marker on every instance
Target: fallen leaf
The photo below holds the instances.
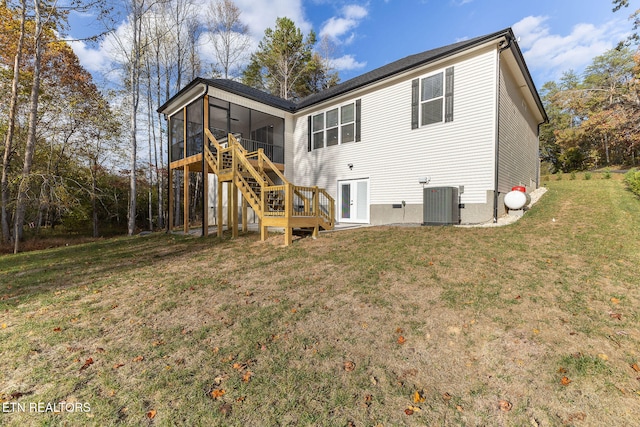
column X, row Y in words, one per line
column 505, row 405
column 87, row 363
column 368, row 399
column 100, row 350
column 603, row 356
column 565, row 381
column 118, row 365
column 215, row 394
column 446, row 397
column 418, row 397
column 615, row 300
column 138, row 358
column 562, row 370
column 151, row 414
column 459, row 408
column 414, row 408
column 225, row 409
column 399, row 330
column 401, row 340
column 349, row 366
column 247, row 376
column 408, row 411
column 616, row 316
column 635, row 367
column 536, row 331
column 57, row 329
column 4, row 326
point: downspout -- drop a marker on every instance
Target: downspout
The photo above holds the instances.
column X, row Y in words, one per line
column 501, row 48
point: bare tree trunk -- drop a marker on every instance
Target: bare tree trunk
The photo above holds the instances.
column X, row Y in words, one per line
column 94, row 207
column 134, row 79
column 8, row 146
column 31, row 135
column 159, row 176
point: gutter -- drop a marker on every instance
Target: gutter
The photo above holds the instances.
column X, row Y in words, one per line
column 501, row 48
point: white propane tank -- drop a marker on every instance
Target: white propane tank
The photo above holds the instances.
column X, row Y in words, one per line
column 517, row 198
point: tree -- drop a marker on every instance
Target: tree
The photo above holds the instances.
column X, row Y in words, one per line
column 283, row 62
column 634, row 38
column 229, row 36
column 40, row 22
column 593, row 119
column 13, row 107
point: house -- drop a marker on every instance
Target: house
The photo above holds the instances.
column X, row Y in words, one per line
column 464, row 116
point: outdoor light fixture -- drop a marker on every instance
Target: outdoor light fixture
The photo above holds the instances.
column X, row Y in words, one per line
column 424, row 180
column 350, row 165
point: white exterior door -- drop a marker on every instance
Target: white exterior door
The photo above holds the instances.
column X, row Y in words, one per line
column 353, row 203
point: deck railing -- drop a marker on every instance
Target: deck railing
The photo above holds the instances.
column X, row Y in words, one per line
column 267, row 199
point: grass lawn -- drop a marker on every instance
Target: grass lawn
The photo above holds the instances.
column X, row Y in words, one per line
column 532, row 324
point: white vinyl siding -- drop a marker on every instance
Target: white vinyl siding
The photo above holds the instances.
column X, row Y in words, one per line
column 518, row 137
column 394, row 157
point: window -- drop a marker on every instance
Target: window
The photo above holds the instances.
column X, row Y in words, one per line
column 432, row 99
column 347, row 120
column 176, row 136
column 318, row 131
column 335, row 126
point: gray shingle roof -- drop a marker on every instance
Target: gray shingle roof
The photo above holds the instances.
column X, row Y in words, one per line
column 396, row 67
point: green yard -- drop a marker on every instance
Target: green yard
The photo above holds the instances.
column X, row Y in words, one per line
column 532, row 324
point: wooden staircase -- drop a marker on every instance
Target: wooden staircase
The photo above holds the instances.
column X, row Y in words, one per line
column 281, row 205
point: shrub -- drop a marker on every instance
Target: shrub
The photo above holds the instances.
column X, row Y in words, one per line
column 587, row 176
column 632, row 179
column 559, row 176
column 606, row 174
column 572, row 176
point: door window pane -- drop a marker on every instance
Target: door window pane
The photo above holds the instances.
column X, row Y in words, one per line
column 346, row 201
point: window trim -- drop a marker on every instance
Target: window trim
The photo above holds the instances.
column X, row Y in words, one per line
column 447, row 97
column 356, row 106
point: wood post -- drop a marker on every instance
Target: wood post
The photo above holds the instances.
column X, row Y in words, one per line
column 219, row 209
column 185, row 188
column 170, row 201
column 234, row 210
column 205, row 169
column 205, row 197
column 288, row 213
column 229, row 185
column 245, row 226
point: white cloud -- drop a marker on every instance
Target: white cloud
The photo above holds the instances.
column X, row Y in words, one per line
column 548, row 55
column 346, row 63
column 260, row 15
column 91, row 59
column 337, row 26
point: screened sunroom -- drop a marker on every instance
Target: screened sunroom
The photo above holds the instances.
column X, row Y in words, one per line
column 226, row 109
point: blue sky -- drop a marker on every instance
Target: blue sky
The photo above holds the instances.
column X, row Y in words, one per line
column 555, row 35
